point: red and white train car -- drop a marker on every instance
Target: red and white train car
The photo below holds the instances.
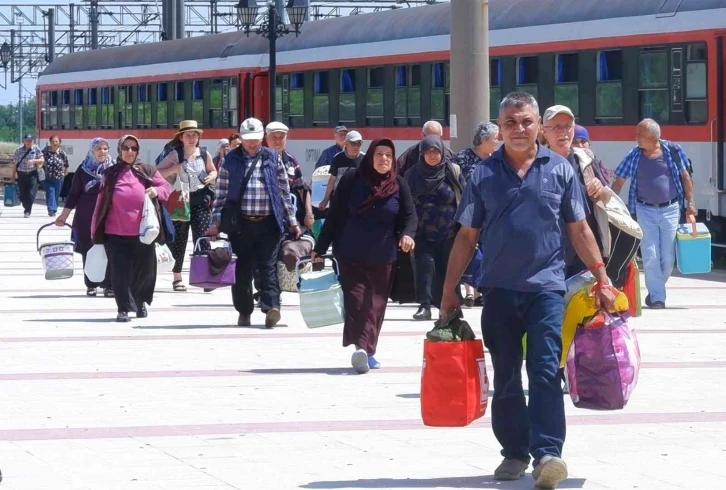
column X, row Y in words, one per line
column 386, row 73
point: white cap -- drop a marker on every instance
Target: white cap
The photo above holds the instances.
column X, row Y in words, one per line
column 557, row 109
column 353, row 136
column 276, row 126
column 251, row 129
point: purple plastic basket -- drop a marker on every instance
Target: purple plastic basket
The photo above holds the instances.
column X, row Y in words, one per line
column 199, row 275
column 603, row 364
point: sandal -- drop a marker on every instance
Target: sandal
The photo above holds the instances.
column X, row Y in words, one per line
column 108, row 293
column 178, row 286
column 91, row 292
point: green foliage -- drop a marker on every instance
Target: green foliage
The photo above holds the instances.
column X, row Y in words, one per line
column 9, row 120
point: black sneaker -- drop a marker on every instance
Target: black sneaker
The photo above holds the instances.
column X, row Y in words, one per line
column 142, row 312
column 123, row 317
column 422, row 314
column 657, row 305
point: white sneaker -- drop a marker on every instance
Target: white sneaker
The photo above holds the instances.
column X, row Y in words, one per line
column 359, row 361
column 549, row 472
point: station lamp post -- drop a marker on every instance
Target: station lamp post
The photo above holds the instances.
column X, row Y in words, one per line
column 5, row 56
column 272, row 28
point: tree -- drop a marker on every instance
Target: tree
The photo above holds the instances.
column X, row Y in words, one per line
column 9, row 120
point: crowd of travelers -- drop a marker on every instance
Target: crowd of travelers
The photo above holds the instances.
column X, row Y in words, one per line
column 527, row 206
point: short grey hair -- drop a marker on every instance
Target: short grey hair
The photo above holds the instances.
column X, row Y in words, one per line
column 485, row 131
column 433, row 126
column 651, row 126
column 518, row 100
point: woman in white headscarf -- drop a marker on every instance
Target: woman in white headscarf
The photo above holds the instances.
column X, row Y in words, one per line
column 222, row 149
column 82, row 197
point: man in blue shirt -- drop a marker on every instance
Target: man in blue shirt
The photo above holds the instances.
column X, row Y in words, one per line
column 522, row 201
column 326, row 157
column 660, row 187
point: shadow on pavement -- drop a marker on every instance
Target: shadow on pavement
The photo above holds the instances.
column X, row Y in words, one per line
column 486, row 481
column 193, row 327
column 75, row 320
column 329, row 371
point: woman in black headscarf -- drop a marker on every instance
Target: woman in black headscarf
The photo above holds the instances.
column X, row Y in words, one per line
column 436, row 186
column 370, row 217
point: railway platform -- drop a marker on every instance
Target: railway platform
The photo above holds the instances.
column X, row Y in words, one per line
column 184, row 399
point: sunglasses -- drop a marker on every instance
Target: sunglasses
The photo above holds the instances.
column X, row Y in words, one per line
column 135, row 149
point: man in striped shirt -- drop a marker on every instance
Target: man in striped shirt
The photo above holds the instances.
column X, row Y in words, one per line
column 252, row 205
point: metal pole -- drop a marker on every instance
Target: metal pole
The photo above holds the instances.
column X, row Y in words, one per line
column 20, row 83
column 171, row 33
column 272, row 35
column 94, row 24
column 12, row 55
column 51, row 35
column 469, row 70
column 72, row 27
column 180, row 20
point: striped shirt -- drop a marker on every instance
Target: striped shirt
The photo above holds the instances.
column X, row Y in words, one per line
column 256, row 198
column 22, row 158
column 628, row 169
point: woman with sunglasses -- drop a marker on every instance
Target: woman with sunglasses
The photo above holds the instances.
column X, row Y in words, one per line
column 116, row 222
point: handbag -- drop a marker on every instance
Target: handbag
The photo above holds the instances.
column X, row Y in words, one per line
column 200, row 274
column 164, row 259
column 41, row 174
column 12, row 195
column 321, row 296
column 149, row 226
column 454, row 383
column 178, row 204
column 231, row 210
column 603, row 363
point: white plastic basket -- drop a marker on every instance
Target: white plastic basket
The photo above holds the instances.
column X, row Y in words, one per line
column 57, row 257
column 321, row 297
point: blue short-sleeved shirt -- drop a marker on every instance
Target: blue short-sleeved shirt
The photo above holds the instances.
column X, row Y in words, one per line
column 523, row 220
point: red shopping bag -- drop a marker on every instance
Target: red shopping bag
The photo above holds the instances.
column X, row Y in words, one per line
column 631, row 288
column 454, row 383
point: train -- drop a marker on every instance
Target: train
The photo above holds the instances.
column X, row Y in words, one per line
column 386, row 73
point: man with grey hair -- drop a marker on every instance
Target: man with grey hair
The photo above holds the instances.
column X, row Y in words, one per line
column 660, row 187
column 411, row 157
column 519, row 204
column 486, row 138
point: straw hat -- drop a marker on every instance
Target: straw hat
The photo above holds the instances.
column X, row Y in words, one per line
column 190, row 125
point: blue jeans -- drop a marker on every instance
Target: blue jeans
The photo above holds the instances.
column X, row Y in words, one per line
column 658, row 247
column 52, row 193
column 537, row 429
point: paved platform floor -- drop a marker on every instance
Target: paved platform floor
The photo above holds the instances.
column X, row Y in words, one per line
column 186, row 400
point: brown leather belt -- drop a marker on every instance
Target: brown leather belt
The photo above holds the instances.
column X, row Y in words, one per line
column 254, row 219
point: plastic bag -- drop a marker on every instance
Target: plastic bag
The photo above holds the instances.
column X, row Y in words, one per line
column 164, row 259
column 453, row 328
column 603, row 363
column 96, row 264
column 149, row 226
column 454, row 383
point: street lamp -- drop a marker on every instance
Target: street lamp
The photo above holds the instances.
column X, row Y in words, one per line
column 272, row 28
column 5, row 54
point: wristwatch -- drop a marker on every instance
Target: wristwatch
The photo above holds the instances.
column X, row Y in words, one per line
column 689, row 203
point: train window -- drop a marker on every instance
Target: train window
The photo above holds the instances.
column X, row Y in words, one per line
column 346, row 106
column 179, row 106
column 217, row 109
column 609, row 89
column 65, row 109
column 566, row 81
column 107, row 110
column 125, row 107
column 78, row 108
column 143, row 105
column 92, row 102
column 407, row 96
column 321, row 97
column 162, row 105
column 438, row 91
column 495, row 87
column 232, row 103
column 198, row 102
column 374, row 97
column 44, row 123
column 527, row 75
column 53, row 110
column 654, row 101
column 696, row 105
column 297, row 100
